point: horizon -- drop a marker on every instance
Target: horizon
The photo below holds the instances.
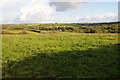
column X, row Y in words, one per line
column 64, row 23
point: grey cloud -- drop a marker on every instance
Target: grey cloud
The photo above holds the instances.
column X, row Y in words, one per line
column 119, row 11
column 63, row 6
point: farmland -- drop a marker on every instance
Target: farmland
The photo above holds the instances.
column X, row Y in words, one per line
column 34, row 52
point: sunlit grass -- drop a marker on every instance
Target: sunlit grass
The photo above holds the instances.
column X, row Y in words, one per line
column 22, row 55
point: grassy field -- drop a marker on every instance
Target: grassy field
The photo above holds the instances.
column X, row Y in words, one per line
column 61, row 55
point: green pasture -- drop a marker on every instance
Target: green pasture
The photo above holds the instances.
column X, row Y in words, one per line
column 60, row 55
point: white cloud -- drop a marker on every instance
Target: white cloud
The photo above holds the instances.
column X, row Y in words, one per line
column 85, row 0
column 42, row 11
column 9, row 10
column 1, row 19
column 106, row 17
column 11, row 4
column 37, row 10
column 9, row 17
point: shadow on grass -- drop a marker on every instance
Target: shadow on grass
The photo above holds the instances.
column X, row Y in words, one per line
column 92, row 63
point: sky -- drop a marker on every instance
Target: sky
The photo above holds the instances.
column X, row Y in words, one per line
column 58, row 11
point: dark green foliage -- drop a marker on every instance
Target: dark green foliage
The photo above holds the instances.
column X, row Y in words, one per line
column 90, row 31
column 38, row 31
column 73, row 27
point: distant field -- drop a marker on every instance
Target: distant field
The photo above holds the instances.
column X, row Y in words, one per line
column 60, row 55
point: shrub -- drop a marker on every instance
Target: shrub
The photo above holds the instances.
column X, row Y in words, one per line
column 90, row 31
column 38, row 31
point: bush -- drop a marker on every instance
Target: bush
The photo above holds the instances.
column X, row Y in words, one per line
column 38, row 31
column 90, row 31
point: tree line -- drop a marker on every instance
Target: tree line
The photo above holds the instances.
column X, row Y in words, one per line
column 73, row 27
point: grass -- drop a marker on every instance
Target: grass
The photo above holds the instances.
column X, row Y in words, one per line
column 15, row 31
column 62, row 55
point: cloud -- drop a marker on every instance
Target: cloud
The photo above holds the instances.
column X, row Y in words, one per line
column 47, row 11
column 37, row 10
column 1, row 19
column 8, row 17
column 44, row 11
column 63, row 6
column 106, row 17
column 9, row 10
column 11, row 4
column 119, row 10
